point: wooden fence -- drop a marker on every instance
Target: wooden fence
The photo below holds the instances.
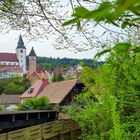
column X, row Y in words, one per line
column 41, row 132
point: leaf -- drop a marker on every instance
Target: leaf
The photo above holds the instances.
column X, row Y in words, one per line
column 72, row 21
column 122, row 46
column 136, row 19
column 80, row 12
column 124, row 24
column 78, row 25
column 99, row 54
column 137, row 49
column 114, row 24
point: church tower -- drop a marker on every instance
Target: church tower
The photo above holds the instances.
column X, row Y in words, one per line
column 21, row 53
column 32, row 60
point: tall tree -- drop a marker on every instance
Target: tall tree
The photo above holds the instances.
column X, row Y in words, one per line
column 43, row 19
column 109, row 106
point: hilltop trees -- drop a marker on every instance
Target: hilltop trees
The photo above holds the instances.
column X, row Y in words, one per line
column 50, row 63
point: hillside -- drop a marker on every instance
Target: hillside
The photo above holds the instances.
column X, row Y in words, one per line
column 49, row 62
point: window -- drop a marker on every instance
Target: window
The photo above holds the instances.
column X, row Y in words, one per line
column 21, row 51
column 33, row 75
column 30, row 90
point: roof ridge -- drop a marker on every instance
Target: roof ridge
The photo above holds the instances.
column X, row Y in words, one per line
column 65, row 81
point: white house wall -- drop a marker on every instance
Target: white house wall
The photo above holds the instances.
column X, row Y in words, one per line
column 8, row 63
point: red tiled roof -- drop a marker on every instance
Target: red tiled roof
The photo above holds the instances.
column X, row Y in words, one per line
column 57, row 91
column 10, row 57
column 36, row 89
column 9, row 99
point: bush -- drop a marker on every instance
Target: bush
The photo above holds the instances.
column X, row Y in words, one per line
column 40, row 103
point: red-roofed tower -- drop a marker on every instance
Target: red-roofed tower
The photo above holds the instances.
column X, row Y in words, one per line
column 32, row 60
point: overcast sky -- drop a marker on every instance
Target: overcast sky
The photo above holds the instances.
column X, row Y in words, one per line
column 8, row 43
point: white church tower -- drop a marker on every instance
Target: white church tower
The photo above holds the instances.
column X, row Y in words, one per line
column 21, row 53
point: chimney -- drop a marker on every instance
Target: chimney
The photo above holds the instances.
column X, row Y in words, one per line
column 42, row 75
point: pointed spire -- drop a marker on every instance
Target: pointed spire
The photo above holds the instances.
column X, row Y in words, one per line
column 32, row 52
column 20, row 43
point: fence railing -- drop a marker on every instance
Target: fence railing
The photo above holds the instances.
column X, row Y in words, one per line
column 42, row 131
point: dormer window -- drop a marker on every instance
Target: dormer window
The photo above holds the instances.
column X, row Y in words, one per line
column 30, row 90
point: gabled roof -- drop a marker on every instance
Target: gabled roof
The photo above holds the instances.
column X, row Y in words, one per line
column 9, row 57
column 9, row 99
column 35, row 89
column 37, row 75
column 32, row 52
column 20, row 43
column 16, row 69
column 57, row 91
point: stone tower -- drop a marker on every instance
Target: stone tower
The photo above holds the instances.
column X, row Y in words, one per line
column 21, row 53
column 32, row 60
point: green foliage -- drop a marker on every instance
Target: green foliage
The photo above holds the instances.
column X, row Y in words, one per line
column 56, row 78
column 109, row 106
column 1, row 107
column 60, row 77
column 88, row 76
column 121, row 49
column 41, row 103
column 127, row 12
column 16, row 85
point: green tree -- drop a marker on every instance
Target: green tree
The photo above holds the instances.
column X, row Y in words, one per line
column 56, row 78
column 109, row 106
column 16, row 85
column 60, row 77
column 12, row 88
column 17, row 14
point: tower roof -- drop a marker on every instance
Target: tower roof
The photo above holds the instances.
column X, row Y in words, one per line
column 20, row 43
column 32, row 52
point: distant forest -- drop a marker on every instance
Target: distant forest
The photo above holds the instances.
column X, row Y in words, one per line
column 49, row 62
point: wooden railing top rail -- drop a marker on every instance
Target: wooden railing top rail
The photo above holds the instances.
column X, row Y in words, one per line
column 25, row 112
